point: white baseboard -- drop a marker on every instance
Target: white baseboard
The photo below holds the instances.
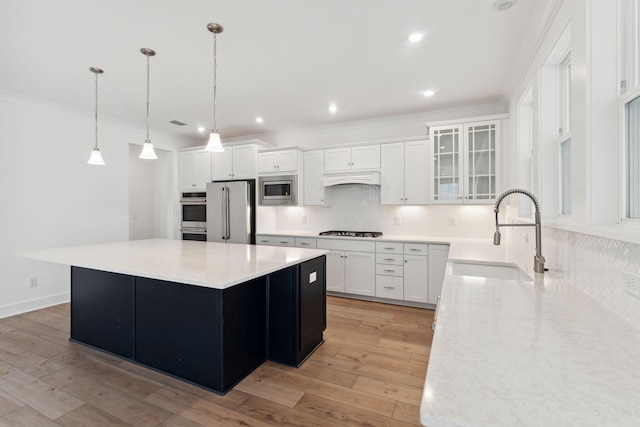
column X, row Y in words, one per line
column 26, row 306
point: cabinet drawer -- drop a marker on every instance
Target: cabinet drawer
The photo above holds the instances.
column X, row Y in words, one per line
column 346, row 245
column 389, row 270
column 389, row 247
column 416, row 248
column 389, row 287
column 304, row 242
column 388, row 259
column 275, row 241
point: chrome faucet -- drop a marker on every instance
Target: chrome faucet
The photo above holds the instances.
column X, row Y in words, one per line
column 538, row 259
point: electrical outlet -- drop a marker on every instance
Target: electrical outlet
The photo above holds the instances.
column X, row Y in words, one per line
column 303, row 218
column 453, row 221
column 397, row 219
column 33, row 282
column 631, row 283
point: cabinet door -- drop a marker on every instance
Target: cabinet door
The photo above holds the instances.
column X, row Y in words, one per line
column 365, row 157
column 203, row 169
column 392, row 174
column 268, row 162
column 244, row 161
column 438, row 255
column 416, row 174
column 480, row 168
column 287, row 161
column 313, row 191
column 416, row 278
column 187, row 173
column 335, row 271
column 359, row 273
column 222, row 165
column 337, row 159
column 446, row 154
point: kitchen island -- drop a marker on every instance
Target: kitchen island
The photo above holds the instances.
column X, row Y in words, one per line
column 208, row 313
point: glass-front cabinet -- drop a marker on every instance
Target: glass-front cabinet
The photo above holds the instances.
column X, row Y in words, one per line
column 465, row 168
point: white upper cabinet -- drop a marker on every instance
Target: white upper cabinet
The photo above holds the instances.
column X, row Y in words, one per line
column 195, row 170
column 313, row 185
column 278, row 161
column 465, row 167
column 404, row 173
column 352, row 158
column 235, row 162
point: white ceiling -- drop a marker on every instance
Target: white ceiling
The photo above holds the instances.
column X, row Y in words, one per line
column 284, row 60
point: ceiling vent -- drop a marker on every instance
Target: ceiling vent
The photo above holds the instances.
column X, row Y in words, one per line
column 178, row 123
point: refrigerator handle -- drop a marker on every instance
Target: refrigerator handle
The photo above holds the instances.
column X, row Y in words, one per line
column 227, row 215
column 223, row 206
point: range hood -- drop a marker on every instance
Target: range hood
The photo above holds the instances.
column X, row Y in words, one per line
column 370, row 178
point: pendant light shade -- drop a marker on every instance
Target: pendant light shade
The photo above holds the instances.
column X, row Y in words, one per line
column 214, row 144
column 96, row 157
column 148, row 152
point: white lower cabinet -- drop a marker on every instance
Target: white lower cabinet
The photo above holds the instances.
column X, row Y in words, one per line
column 438, row 256
column 411, row 272
column 335, row 271
column 359, row 275
column 416, row 278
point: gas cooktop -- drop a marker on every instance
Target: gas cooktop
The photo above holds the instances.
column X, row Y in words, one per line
column 352, row 233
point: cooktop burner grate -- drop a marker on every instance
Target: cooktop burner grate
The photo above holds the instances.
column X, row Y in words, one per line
column 372, row 234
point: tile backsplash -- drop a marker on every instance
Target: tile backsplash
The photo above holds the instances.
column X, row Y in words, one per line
column 593, row 264
column 358, row 208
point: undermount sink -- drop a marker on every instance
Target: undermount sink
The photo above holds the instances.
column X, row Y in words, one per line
column 488, row 271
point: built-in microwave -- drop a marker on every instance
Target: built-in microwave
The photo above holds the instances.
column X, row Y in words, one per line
column 278, row 190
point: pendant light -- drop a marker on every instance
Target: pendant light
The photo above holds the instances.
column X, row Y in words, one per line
column 214, row 143
column 96, row 157
column 147, row 147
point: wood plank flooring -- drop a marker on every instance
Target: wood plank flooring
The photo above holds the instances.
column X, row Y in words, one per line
column 369, row 372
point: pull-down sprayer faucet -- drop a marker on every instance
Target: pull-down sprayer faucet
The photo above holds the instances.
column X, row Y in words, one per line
column 538, row 259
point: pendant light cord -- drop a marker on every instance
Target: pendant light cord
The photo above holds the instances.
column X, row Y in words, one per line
column 147, row 97
column 215, row 87
column 96, row 110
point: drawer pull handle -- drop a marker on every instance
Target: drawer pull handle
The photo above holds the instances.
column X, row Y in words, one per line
column 389, row 271
column 264, row 241
column 389, row 287
column 415, row 250
column 284, row 243
column 392, row 249
column 305, row 243
column 389, row 259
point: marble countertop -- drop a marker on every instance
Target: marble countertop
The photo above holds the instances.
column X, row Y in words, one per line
column 529, row 353
column 208, row 264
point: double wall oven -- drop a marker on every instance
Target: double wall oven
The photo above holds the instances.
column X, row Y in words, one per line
column 194, row 216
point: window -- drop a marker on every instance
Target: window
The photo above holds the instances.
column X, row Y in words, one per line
column 630, row 99
column 525, row 157
column 565, row 177
column 564, row 133
column 632, row 178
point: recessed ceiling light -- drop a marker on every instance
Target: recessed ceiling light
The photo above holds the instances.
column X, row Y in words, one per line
column 428, row 93
column 333, row 108
column 259, row 119
column 501, row 5
column 200, row 128
column 415, row 37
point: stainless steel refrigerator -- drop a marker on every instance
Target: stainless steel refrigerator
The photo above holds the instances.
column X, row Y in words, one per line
column 231, row 211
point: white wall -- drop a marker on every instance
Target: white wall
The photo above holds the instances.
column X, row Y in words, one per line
column 51, row 197
column 150, row 195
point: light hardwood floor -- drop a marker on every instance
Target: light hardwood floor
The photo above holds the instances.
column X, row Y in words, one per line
column 369, row 372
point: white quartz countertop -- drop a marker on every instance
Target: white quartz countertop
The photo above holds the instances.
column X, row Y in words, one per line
column 208, row 264
column 529, row 353
column 459, row 247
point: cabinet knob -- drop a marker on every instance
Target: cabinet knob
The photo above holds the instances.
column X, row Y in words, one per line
column 322, row 200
